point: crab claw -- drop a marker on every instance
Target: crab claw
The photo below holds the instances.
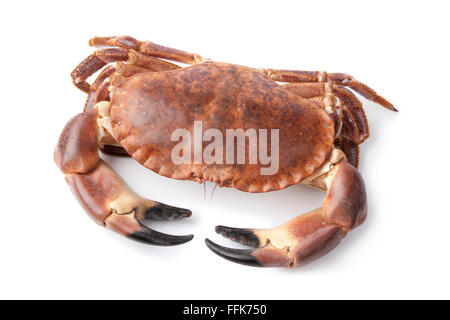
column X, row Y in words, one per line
column 243, row 236
column 102, row 193
column 161, row 211
column 110, row 203
column 129, row 226
column 306, row 237
column 297, row 242
column 242, row 256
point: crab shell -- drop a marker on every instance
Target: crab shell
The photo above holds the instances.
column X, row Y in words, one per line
column 148, row 107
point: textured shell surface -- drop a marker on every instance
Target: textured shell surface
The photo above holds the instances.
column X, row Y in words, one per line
column 148, row 107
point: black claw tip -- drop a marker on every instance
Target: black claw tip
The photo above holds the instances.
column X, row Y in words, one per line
column 162, row 211
column 242, row 256
column 149, row 236
column 243, row 236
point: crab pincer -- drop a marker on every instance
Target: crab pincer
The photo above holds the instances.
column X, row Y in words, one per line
column 308, row 236
column 102, row 193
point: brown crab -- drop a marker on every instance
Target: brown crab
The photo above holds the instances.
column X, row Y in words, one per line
column 134, row 105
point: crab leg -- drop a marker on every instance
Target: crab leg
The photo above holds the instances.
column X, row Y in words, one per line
column 348, row 100
column 98, row 90
column 351, row 122
column 139, row 57
column 310, row 235
column 101, row 192
column 103, row 56
column 350, row 148
column 95, row 62
column 321, row 76
column 147, row 48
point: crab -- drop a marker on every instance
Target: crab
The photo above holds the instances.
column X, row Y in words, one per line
column 141, row 95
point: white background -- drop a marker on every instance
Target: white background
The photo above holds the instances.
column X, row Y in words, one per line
column 49, row 248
